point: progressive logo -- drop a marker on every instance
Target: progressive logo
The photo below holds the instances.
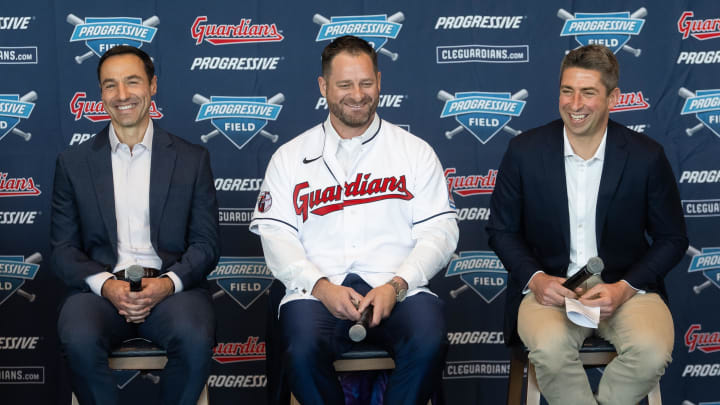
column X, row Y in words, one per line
column 244, row 279
column 480, row 271
column 14, row 108
column 14, row 271
column 705, row 104
column 613, row 30
column 238, row 118
column 483, row 114
column 102, row 33
column 376, row 29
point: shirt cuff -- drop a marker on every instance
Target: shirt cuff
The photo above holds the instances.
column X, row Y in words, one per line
column 413, row 277
column 96, row 281
column 527, row 289
column 176, row 281
column 639, row 291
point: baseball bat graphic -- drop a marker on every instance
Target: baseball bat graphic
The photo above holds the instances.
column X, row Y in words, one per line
column 454, row 293
column 396, row 18
column 686, row 402
column 443, row 95
column 639, row 13
column 200, row 100
column 219, row 293
column 685, row 93
column 30, row 96
column 75, row 20
column 34, row 258
column 155, row 379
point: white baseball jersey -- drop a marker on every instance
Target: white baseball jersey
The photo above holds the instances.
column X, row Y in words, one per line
column 367, row 221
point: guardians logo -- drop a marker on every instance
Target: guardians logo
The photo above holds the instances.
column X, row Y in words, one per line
column 102, row 33
column 707, row 262
column 244, row 279
column 706, row 342
column 376, row 29
column 227, row 34
column 698, row 29
column 95, row 110
column 631, row 101
column 17, row 187
column 610, row 29
column 363, row 190
column 466, row 186
column 238, row 118
column 480, row 271
column 14, row 271
column 234, row 352
column 705, row 104
column 483, row 114
column 13, row 108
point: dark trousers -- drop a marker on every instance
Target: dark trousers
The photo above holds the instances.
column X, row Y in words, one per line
column 183, row 324
column 414, row 334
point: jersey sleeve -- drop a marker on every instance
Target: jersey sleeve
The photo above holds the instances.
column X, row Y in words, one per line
column 432, row 199
column 274, row 204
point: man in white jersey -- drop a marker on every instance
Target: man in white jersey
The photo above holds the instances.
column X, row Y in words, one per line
column 574, row 189
column 353, row 213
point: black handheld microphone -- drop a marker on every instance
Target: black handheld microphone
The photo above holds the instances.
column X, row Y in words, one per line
column 358, row 331
column 594, row 266
column 134, row 275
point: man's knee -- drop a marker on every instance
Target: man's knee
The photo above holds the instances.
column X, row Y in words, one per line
column 649, row 357
column 552, row 356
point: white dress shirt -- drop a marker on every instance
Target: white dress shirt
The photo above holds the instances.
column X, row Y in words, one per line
column 131, row 183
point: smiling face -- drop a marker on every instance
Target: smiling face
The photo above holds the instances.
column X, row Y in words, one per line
column 126, row 91
column 584, row 102
column 352, row 90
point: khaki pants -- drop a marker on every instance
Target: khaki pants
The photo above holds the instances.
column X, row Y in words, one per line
column 641, row 331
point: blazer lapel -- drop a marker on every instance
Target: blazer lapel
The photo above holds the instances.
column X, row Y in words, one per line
column 556, row 195
column 161, row 170
column 102, row 178
column 613, row 166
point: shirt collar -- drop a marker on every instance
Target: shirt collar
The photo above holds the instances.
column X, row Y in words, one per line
column 366, row 136
column 146, row 142
column 599, row 153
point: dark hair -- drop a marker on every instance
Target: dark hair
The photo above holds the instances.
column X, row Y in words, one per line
column 127, row 49
column 350, row 44
column 594, row 57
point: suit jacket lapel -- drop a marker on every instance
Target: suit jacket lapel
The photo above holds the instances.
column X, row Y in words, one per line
column 554, row 163
column 161, row 170
column 613, row 166
column 100, row 162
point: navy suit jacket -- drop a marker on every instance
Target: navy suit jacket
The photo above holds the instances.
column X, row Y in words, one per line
column 183, row 211
column 529, row 220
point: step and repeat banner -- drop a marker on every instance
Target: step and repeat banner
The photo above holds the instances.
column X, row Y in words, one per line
column 430, row 54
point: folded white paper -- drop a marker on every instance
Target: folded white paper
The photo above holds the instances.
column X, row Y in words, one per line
column 582, row 315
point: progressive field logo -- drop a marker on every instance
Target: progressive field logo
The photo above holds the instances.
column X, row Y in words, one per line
column 613, row 30
column 13, row 108
column 483, row 114
column 102, row 33
column 480, row 271
column 244, row 279
column 14, row 271
column 705, row 104
column 238, row 118
column 376, row 29
column 707, row 262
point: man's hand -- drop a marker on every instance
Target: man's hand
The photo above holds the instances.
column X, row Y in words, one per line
column 608, row 297
column 548, row 289
column 383, row 299
column 339, row 300
column 118, row 293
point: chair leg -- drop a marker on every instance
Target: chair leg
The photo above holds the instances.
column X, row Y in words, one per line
column 654, row 397
column 203, row 399
column 533, row 392
column 515, row 380
column 293, row 400
column 74, row 400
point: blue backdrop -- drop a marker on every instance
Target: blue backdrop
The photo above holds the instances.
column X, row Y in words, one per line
column 268, row 53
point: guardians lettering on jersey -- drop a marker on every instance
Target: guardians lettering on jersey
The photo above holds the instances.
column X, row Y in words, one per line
column 361, row 191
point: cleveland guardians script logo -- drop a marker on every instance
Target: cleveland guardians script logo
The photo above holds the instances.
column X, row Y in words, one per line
column 480, row 271
column 238, row 118
column 102, row 33
column 17, row 186
column 363, row 190
column 14, row 271
column 707, row 262
column 610, row 29
column 698, row 29
column 230, row 34
column 483, row 114
column 706, row 342
column 13, row 108
column 466, row 186
column 631, row 101
column 95, row 110
column 376, row 29
column 705, row 104
column 244, row 279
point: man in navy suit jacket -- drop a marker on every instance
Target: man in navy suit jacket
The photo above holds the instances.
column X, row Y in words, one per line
column 134, row 195
column 577, row 188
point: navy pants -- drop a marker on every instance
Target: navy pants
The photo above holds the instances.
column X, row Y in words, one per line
column 414, row 334
column 183, row 323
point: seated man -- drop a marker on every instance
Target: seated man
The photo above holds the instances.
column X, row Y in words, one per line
column 134, row 195
column 355, row 213
column 572, row 190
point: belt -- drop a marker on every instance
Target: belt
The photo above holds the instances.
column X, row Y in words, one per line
column 147, row 273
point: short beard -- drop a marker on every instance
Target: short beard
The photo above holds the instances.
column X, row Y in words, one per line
column 337, row 110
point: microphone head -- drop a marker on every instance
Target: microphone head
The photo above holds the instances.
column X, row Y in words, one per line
column 595, row 265
column 134, row 273
column 357, row 332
